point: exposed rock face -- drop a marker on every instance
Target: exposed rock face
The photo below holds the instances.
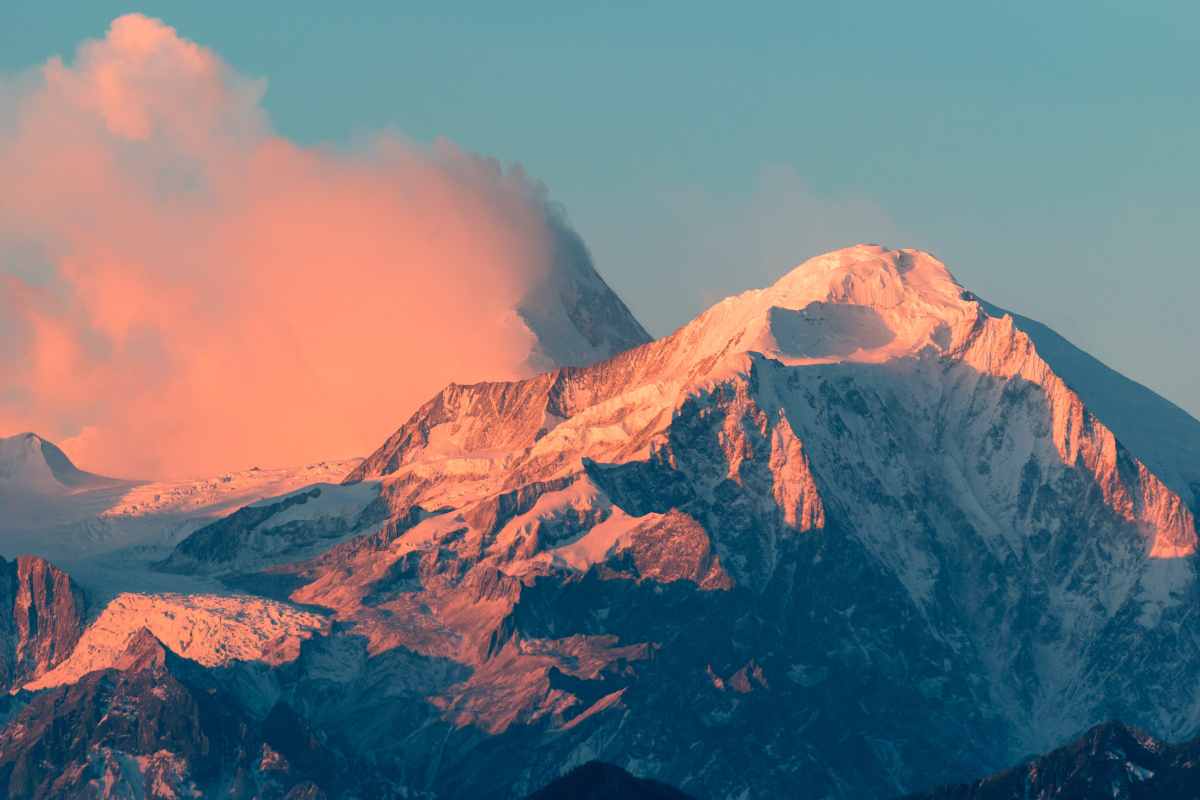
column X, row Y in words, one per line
column 41, row 618
column 847, row 536
column 1110, row 762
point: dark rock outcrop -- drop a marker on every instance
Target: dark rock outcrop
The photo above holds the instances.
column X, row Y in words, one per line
column 599, row 781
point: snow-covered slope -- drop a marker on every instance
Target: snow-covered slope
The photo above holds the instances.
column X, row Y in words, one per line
column 217, row 495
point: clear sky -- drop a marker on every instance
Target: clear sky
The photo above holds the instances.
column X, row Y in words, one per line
column 1047, row 152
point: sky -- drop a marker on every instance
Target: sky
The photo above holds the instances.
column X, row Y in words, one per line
column 1045, row 152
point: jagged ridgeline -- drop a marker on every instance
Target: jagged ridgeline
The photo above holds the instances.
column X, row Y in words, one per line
column 853, row 535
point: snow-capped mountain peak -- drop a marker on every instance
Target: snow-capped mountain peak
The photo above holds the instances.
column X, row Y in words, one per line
column 854, row 309
column 863, row 303
column 29, row 463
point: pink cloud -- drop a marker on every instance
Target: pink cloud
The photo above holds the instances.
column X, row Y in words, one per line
column 184, row 291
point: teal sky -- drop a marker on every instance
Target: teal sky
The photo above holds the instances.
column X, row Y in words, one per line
column 1047, row 152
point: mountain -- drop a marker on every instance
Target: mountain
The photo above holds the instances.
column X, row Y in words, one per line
column 596, row 780
column 1110, row 762
column 109, row 533
column 851, row 535
column 574, row 316
column 29, row 463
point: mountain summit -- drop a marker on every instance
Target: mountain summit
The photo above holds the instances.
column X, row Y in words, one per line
column 863, row 303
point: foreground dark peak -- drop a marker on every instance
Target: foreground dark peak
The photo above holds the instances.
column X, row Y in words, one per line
column 1112, row 761
column 596, row 780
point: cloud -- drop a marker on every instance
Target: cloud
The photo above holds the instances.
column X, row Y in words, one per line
column 183, row 291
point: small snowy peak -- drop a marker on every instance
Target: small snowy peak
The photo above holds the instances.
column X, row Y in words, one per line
column 30, row 464
column 864, row 303
column 142, row 651
column 600, row 530
column 210, row 629
column 24, row 468
column 576, row 319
